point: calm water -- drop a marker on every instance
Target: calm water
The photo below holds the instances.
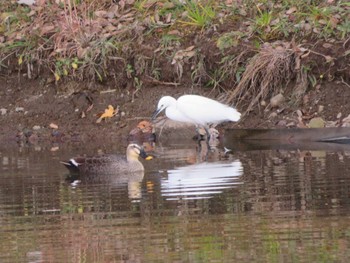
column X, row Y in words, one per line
column 246, row 206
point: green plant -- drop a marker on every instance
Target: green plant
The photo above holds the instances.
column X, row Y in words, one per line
column 264, row 19
column 168, row 40
column 199, row 15
column 141, row 6
column 262, row 24
column 344, row 29
column 228, row 40
column 129, row 70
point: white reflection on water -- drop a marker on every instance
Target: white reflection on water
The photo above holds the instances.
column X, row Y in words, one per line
column 201, row 181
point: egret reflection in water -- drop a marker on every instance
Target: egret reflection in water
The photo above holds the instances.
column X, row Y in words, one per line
column 201, row 181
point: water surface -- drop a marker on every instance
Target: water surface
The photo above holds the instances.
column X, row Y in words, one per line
column 189, row 206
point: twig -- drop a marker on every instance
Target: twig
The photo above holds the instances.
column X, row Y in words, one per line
column 343, row 81
column 346, row 41
column 137, row 118
column 162, row 82
column 316, row 53
column 108, row 91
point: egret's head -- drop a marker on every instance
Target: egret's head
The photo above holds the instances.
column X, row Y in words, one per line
column 163, row 103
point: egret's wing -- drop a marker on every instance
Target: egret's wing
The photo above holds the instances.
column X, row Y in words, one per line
column 204, row 110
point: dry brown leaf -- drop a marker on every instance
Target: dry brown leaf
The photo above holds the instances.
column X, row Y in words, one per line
column 334, row 21
column 47, row 29
column 328, row 59
column 291, row 10
column 179, row 55
column 109, row 113
column 174, row 32
column 101, row 13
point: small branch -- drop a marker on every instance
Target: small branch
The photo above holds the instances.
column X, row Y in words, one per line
column 162, row 82
column 342, row 81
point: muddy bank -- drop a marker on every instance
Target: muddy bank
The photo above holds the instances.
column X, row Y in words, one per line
column 34, row 112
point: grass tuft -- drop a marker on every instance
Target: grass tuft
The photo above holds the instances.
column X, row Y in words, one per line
column 266, row 73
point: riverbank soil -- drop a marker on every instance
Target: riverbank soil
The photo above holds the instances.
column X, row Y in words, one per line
column 33, row 112
column 282, row 64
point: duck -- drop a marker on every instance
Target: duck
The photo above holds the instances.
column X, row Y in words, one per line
column 198, row 110
column 109, row 163
column 143, row 132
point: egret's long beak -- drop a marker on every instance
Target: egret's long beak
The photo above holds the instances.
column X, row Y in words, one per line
column 144, row 155
column 155, row 113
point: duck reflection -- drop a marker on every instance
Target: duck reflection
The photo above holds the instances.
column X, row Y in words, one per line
column 130, row 181
column 201, row 181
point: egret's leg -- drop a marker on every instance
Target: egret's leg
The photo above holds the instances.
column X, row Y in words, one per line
column 208, row 136
column 199, row 134
column 203, row 150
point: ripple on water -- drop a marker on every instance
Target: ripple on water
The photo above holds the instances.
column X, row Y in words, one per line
column 261, row 206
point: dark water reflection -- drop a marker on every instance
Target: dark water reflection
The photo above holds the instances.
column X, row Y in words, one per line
column 258, row 205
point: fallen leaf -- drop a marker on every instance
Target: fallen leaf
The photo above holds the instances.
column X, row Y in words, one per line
column 20, row 60
column 109, row 113
column 328, row 59
column 47, row 29
column 328, row 45
column 57, row 77
column 181, row 54
column 101, row 13
column 291, row 10
column 174, row 32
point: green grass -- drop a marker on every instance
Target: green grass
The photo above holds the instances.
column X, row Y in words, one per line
column 198, row 14
column 227, row 27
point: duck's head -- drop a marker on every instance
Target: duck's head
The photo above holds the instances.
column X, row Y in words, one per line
column 145, row 127
column 133, row 151
column 163, row 103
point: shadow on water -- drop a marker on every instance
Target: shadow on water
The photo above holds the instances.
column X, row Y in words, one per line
column 261, row 202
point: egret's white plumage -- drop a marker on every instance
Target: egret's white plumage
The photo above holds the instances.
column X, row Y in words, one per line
column 196, row 109
column 202, row 180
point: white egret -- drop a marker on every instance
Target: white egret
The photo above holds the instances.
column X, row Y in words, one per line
column 196, row 109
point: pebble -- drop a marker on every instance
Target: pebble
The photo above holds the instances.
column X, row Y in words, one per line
column 291, row 124
column 320, row 108
column 273, row 115
column 3, row 111
column 19, row 109
column 277, row 100
column 282, row 123
column 36, row 127
column 53, row 126
column 299, row 113
column 317, row 122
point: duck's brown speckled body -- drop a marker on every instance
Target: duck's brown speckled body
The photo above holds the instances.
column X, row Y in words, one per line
column 108, row 164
